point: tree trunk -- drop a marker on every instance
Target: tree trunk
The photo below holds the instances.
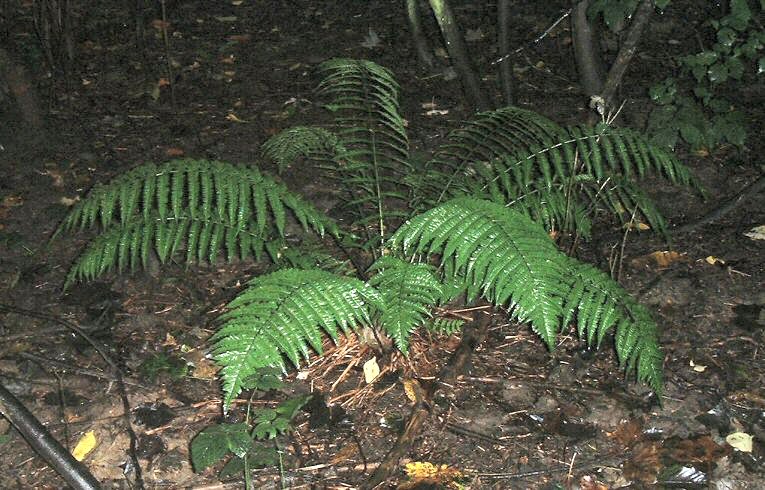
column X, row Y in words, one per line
column 506, row 65
column 61, row 460
column 640, row 19
column 455, row 46
column 589, row 61
column 17, row 78
column 424, row 55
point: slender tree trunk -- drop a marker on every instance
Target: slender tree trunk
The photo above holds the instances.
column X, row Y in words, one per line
column 455, row 45
column 22, row 89
column 589, row 61
column 506, row 65
column 640, row 19
column 424, row 55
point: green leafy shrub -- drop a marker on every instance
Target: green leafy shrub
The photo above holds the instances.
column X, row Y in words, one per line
column 250, row 444
column 691, row 107
column 471, row 221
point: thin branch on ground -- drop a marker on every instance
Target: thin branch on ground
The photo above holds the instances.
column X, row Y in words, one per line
column 473, row 334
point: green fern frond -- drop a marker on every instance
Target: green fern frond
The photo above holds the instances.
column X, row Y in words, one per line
column 600, row 305
column 208, row 206
column 409, row 292
column 284, row 313
column 555, row 174
column 444, row 326
column 301, row 141
column 503, row 252
column 513, row 262
column 509, row 131
column 364, row 101
column 127, row 247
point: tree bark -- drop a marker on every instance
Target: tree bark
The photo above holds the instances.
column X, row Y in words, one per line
column 23, row 91
column 424, row 55
column 640, row 19
column 506, row 65
column 455, row 46
column 61, row 460
column 589, row 61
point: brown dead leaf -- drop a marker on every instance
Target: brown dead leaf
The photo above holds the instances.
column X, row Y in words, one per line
column 644, row 465
column 345, row 453
column 174, row 152
column 234, row 118
column 240, row 38
column 163, row 82
column 628, row 432
column 9, row 202
column 700, row 449
column 658, row 260
column 56, row 175
column 588, row 482
column 160, row 24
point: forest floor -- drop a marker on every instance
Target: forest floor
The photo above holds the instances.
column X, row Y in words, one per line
column 519, row 417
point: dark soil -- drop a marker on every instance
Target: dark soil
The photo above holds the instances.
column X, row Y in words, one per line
column 520, row 417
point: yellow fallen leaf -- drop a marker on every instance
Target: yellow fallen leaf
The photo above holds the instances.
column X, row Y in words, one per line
column 234, row 118
column 371, row 370
column 699, row 368
column 712, row 260
column 756, row 233
column 661, row 259
column 85, row 445
column 741, row 441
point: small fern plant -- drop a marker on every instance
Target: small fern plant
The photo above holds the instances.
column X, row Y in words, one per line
column 472, row 221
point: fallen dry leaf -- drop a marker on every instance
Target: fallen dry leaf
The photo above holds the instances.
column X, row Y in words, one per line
column 644, row 465
column 174, row 152
column 234, row 118
column 85, row 445
column 700, row 449
column 659, row 259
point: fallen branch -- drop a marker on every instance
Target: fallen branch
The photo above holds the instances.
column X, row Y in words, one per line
column 44, row 444
column 473, row 334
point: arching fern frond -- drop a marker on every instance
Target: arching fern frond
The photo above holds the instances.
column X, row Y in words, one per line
column 519, row 153
column 301, row 141
column 409, row 292
column 503, row 252
column 599, row 305
column 505, row 132
column 208, row 206
column 514, row 263
column 127, row 247
column 285, row 313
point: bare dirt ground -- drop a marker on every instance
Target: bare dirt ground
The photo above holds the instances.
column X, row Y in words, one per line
column 519, row 418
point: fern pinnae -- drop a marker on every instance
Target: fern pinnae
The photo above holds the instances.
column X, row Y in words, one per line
column 508, row 255
column 209, row 206
column 409, row 291
column 601, row 305
column 281, row 314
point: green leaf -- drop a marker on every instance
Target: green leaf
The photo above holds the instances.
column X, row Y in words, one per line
column 218, row 441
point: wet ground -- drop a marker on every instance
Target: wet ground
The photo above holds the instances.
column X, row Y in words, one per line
column 519, row 417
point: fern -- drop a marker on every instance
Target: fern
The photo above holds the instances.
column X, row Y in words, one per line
column 409, row 292
column 287, row 146
column 512, row 261
column 375, row 161
column 499, row 250
column 555, row 174
column 284, row 313
column 203, row 206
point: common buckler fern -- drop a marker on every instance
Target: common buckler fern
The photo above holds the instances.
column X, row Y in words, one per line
column 474, row 220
